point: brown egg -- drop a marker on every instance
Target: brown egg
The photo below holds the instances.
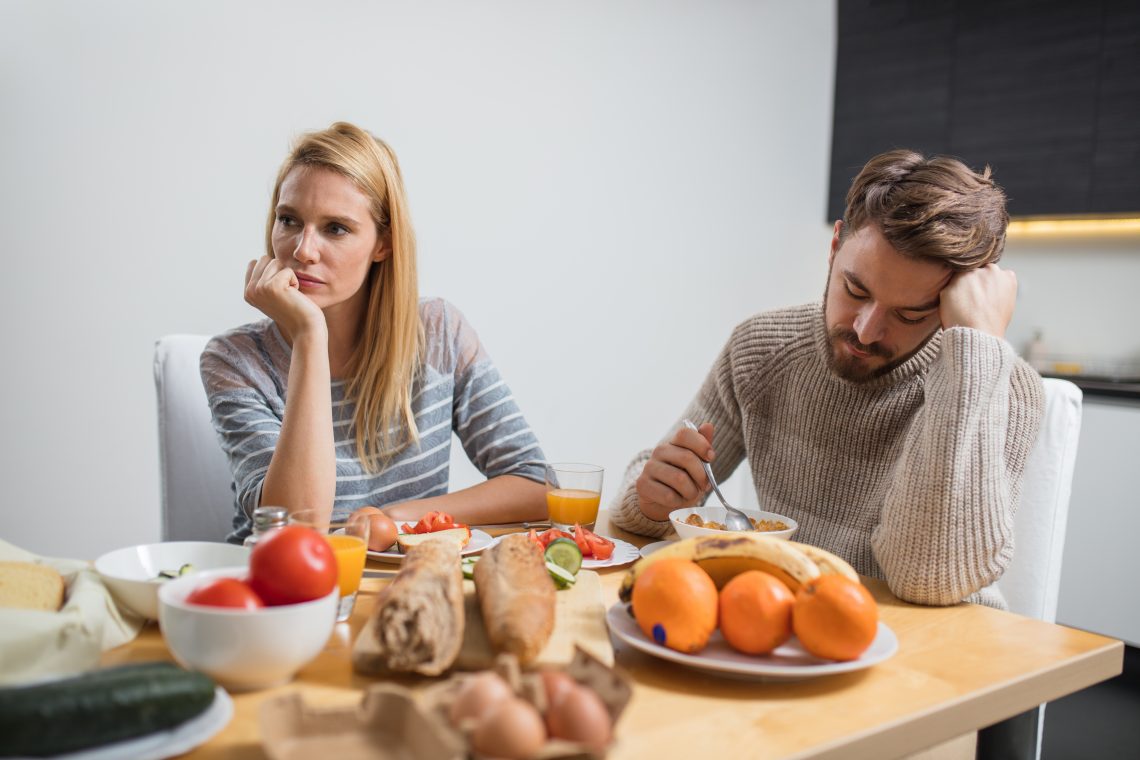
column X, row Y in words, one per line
column 477, row 696
column 512, row 730
column 556, row 683
column 382, row 533
column 580, row 716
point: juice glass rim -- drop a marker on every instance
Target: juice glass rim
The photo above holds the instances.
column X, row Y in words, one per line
column 578, row 467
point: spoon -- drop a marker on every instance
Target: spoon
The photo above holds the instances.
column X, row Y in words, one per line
column 734, row 519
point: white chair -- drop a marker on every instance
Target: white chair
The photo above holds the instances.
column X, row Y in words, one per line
column 1033, row 580
column 197, row 497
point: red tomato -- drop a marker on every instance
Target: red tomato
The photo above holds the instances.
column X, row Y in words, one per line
column 534, row 537
column 601, row 548
column 580, row 539
column 226, row 592
column 552, row 533
column 593, row 545
column 292, row 564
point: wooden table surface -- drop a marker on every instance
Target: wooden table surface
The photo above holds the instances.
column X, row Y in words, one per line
column 958, row 669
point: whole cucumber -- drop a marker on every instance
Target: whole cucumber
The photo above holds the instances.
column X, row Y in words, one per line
column 99, row 708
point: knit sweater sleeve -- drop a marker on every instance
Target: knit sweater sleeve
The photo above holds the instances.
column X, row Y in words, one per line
column 946, row 529
column 716, row 402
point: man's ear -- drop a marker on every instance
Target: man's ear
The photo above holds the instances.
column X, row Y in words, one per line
column 834, row 242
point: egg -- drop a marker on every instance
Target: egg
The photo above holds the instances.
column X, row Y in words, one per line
column 382, row 533
column 555, row 683
column 580, row 716
column 511, row 730
column 478, row 694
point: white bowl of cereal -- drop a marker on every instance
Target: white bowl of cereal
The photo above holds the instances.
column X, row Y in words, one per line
column 702, row 521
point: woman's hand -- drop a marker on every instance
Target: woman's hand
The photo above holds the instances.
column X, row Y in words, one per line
column 273, row 290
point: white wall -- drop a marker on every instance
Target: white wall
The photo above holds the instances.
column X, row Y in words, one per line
column 604, row 188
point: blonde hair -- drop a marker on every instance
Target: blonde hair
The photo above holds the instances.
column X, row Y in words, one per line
column 383, row 367
column 935, row 208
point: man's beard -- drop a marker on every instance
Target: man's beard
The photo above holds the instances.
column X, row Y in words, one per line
column 851, row 367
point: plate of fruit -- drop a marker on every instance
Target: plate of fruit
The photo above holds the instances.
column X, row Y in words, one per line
column 751, row 607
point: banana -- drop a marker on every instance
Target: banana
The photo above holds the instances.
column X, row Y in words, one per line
column 828, row 563
column 724, row 557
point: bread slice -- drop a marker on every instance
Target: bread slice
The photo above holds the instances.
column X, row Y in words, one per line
column 27, row 586
column 458, row 536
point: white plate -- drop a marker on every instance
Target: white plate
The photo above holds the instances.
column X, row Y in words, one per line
column 624, row 553
column 789, row 662
column 480, row 540
column 650, row 548
column 162, row 744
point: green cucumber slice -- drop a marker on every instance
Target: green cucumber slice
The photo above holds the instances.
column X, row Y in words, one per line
column 562, row 578
column 566, row 554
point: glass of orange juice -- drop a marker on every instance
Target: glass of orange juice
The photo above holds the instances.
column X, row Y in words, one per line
column 573, row 492
column 349, row 541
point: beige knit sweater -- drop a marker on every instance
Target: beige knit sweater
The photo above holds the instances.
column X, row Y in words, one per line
column 912, row 477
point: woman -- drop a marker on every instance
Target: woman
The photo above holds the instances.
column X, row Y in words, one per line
column 347, row 395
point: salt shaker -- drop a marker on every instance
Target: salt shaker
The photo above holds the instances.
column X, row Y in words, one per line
column 266, row 520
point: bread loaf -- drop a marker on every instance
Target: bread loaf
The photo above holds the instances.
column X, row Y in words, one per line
column 516, row 597
column 24, row 585
column 419, row 615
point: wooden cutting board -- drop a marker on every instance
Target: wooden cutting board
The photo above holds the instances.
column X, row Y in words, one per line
column 579, row 619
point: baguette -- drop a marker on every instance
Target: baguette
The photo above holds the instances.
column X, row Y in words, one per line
column 419, row 615
column 516, row 597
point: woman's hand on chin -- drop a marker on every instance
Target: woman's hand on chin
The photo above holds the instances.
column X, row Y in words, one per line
column 273, row 290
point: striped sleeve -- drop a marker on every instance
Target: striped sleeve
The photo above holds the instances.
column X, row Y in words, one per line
column 490, row 426
column 246, row 425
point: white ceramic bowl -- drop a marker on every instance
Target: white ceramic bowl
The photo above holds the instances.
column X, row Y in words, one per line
column 243, row 649
column 131, row 573
column 716, row 514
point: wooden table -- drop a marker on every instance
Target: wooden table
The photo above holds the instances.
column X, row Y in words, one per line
column 958, row 669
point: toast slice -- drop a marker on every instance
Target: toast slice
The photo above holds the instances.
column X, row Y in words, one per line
column 459, row 536
column 24, row 585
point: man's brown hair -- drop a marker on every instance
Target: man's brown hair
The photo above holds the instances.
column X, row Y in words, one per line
column 935, row 208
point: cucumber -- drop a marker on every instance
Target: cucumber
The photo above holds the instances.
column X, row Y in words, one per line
column 468, row 567
column 564, row 553
column 99, row 708
column 562, row 578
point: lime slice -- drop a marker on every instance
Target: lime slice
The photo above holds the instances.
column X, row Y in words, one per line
column 566, row 554
column 562, row 578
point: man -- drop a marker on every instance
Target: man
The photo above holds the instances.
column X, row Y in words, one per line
column 892, row 421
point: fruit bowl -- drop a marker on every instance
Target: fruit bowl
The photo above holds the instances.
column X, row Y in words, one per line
column 717, row 514
column 132, row 573
column 243, row 649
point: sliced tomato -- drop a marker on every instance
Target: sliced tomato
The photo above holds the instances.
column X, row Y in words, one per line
column 534, row 537
column 580, row 539
column 601, row 548
column 593, row 545
column 550, row 534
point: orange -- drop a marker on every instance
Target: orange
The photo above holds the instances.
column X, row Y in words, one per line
column 675, row 604
column 835, row 618
column 756, row 612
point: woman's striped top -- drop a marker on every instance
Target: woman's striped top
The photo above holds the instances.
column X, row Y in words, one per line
column 246, row 373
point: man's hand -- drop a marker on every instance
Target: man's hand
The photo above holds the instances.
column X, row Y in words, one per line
column 980, row 298
column 274, row 290
column 674, row 477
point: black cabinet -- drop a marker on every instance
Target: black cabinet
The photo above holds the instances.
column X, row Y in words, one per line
column 1047, row 92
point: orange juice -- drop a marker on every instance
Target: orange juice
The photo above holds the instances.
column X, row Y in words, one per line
column 572, row 505
column 350, row 553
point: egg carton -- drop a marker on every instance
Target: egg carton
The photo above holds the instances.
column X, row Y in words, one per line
column 392, row 721
column 612, row 686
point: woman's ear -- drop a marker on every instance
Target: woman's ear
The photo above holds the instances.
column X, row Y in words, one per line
column 383, row 248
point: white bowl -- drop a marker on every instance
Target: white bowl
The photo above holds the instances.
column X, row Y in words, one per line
column 243, row 649
column 132, row 573
column 716, row 514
